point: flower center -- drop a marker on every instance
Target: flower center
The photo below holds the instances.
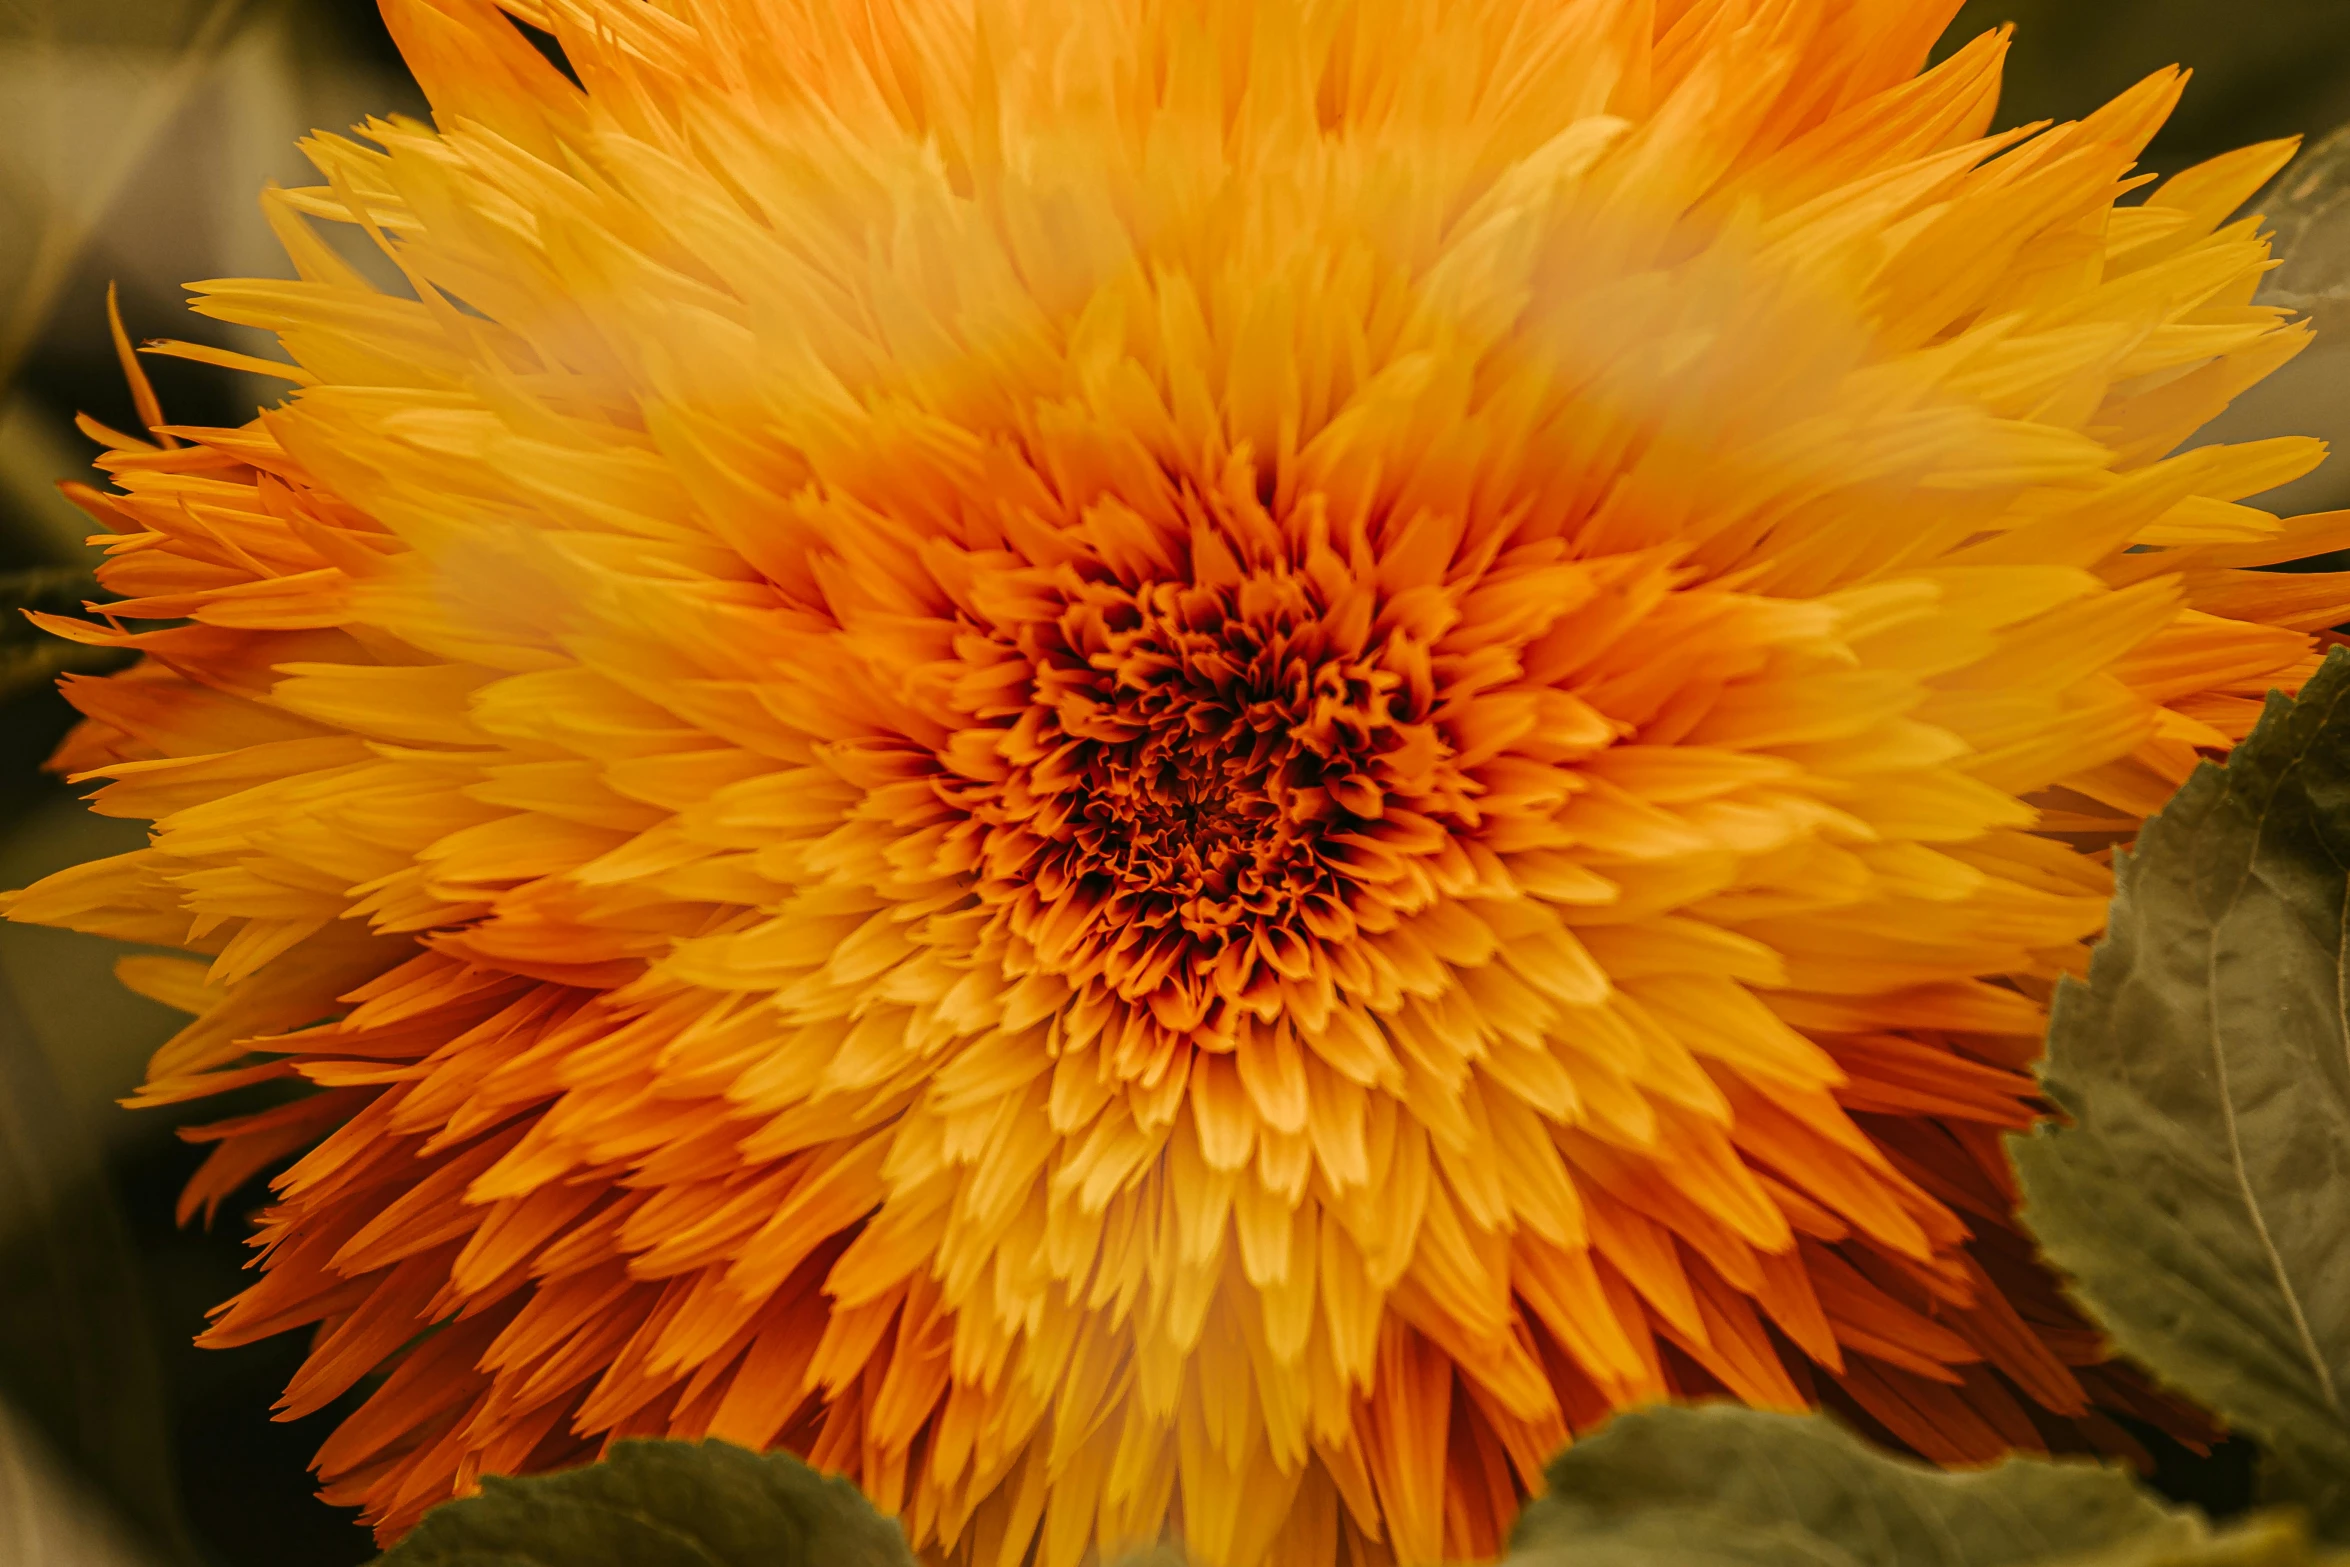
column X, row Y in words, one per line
column 1204, row 783
column 1212, row 751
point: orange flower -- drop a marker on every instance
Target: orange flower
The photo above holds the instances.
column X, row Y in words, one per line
column 1179, row 765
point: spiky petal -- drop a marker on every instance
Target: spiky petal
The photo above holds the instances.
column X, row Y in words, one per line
column 1179, row 765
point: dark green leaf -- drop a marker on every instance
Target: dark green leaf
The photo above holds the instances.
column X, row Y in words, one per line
column 661, row 1504
column 1728, row 1487
column 2201, row 1196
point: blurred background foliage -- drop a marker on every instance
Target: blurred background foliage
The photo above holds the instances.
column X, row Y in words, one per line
column 134, row 136
column 2264, row 70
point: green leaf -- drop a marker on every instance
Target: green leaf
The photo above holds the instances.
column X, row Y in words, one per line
column 661, row 1504
column 1717, row 1486
column 2200, row 1199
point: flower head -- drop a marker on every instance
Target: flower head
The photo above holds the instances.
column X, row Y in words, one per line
column 1179, row 765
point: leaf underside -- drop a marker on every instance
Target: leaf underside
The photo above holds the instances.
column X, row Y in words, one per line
column 1726, row 1487
column 661, row 1504
column 2200, row 1199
